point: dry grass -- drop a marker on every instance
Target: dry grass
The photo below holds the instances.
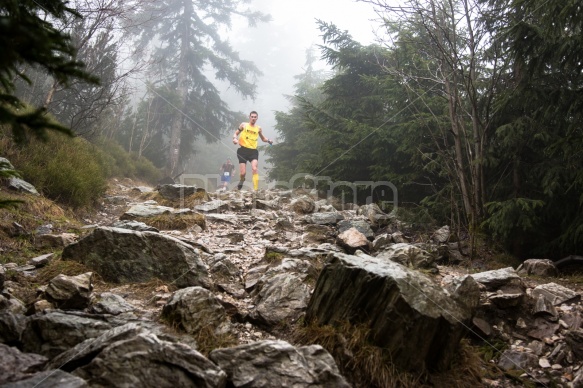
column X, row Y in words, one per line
column 367, row 365
column 24, row 287
column 186, row 202
column 57, row 267
column 18, row 224
column 466, row 370
column 207, row 340
column 272, row 258
column 34, row 211
column 174, row 221
column 315, row 269
column 145, row 291
column 362, row 363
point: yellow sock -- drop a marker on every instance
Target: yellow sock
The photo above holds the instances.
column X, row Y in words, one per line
column 255, row 181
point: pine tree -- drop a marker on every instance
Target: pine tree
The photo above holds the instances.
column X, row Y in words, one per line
column 27, row 38
column 188, row 35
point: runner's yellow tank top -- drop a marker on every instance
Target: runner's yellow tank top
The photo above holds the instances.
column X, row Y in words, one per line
column 249, row 135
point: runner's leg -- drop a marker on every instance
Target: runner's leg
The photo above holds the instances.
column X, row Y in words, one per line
column 242, row 166
column 242, row 172
column 254, row 164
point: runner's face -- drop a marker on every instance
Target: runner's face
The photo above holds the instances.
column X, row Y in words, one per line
column 252, row 118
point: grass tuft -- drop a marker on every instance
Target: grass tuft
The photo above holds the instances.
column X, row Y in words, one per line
column 273, row 258
column 466, row 370
column 174, row 221
column 186, row 202
column 363, row 364
column 18, row 225
column 367, row 365
column 207, row 340
column 57, row 267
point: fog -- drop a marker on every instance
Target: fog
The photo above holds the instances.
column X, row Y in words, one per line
column 278, row 49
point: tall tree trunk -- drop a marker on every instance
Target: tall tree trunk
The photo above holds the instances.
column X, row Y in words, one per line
column 182, row 90
column 50, row 94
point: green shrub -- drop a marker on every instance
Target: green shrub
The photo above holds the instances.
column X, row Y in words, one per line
column 72, row 170
column 62, row 168
column 116, row 160
column 119, row 163
column 146, row 170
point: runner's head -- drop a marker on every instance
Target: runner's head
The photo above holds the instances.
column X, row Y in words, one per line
column 253, row 117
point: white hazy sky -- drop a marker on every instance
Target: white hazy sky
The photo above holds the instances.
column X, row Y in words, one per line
column 278, row 48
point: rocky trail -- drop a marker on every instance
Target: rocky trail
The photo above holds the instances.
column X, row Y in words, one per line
column 163, row 272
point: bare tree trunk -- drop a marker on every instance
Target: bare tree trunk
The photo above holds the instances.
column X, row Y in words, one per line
column 146, row 133
column 50, row 94
column 182, row 90
column 130, row 145
column 452, row 39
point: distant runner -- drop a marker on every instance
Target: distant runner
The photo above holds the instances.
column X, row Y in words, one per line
column 226, row 173
column 248, row 150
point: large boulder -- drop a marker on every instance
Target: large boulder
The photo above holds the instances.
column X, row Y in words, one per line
column 556, row 294
column 408, row 255
column 22, row 186
column 11, row 327
column 505, row 288
column 195, row 308
column 15, row 365
column 352, row 240
column 49, row 378
column 303, row 205
column 278, row 364
column 176, row 191
column 362, row 225
column 538, row 267
column 408, row 314
column 70, row 292
column 499, row 279
column 132, row 356
column 54, row 332
column 126, row 256
column 282, row 298
column 109, row 303
column 144, row 211
column 374, row 214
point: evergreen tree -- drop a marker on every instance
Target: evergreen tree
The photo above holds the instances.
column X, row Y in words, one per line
column 27, row 38
column 287, row 155
column 538, row 207
column 189, row 46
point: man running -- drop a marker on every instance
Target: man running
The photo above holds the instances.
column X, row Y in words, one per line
column 226, row 172
column 248, row 151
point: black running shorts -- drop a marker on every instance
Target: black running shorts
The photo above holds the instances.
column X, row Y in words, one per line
column 247, row 154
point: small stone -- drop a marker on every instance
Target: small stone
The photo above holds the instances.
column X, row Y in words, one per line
column 42, row 305
column 544, row 363
column 521, row 324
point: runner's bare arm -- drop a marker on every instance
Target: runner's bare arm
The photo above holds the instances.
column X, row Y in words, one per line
column 266, row 140
column 236, row 135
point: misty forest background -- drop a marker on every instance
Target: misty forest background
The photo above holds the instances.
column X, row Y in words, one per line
column 471, row 108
